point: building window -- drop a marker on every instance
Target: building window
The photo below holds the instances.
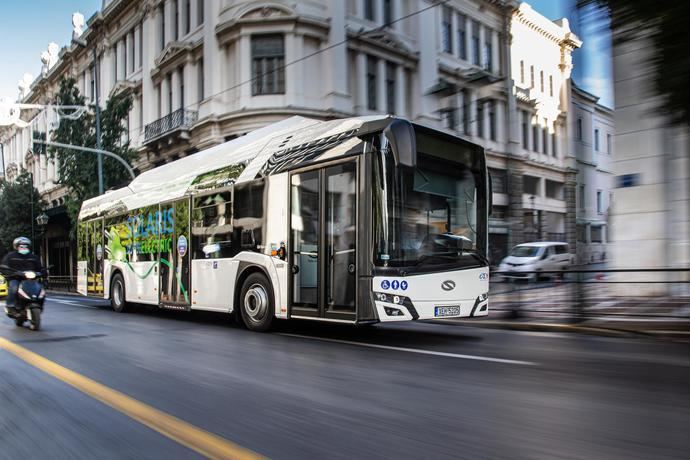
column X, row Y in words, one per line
column 554, row 142
column 181, row 73
column 545, row 139
column 200, row 78
column 531, row 76
column 462, row 37
column 475, row 43
column 448, row 118
column 582, row 196
column 187, row 12
column 141, row 45
column 176, row 22
column 535, row 138
column 387, row 12
column 372, row 101
column 608, row 144
column 116, row 58
column 492, row 120
column 551, row 85
column 522, row 72
column 596, row 234
column 466, row 112
column 488, row 51
column 600, row 202
column 159, row 100
column 446, row 24
column 200, row 11
column 480, row 118
column 170, row 92
column 525, row 130
column 541, row 80
column 499, row 180
column 596, row 140
column 579, row 129
column 369, row 9
column 268, row 71
column 390, row 87
column 161, row 31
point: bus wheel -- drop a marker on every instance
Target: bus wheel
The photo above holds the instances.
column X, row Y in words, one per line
column 117, row 294
column 256, row 302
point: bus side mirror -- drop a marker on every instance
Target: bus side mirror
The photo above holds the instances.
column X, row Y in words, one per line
column 403, row 142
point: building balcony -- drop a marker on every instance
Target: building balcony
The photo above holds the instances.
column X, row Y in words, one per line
column 179, row 121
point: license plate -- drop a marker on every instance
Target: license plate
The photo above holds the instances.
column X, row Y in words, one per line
column 447, row 311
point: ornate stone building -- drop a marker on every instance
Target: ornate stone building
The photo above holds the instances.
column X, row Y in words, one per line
column 493, row 71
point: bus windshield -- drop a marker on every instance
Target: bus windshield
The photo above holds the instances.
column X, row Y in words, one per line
column 431, row 215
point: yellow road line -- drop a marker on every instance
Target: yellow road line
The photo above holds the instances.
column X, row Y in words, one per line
column 203, row 442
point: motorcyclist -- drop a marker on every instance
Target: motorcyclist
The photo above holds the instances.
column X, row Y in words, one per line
column 21, row 259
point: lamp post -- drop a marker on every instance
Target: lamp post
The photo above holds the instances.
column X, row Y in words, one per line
column 42, row 221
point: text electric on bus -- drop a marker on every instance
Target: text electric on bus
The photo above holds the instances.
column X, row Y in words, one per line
column 357, row 220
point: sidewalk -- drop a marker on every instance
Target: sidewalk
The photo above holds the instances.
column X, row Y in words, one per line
column 609, row 326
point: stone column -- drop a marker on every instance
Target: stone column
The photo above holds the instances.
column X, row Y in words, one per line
column 193, row 16
column 454, row 33
column 244, row 63
column 428, row 67
column 150, row 101
column 495, row 53
column 482, row 40
column 212, row 70
column 169, row 19
column 361, row 87
column 382, row 97
column 165, row 108
column 175, row 90
column 294, row 74
column 400, row 91
column 396, row 7
column 337, row 60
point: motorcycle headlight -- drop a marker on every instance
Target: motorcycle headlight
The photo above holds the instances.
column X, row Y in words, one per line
column 30, row 275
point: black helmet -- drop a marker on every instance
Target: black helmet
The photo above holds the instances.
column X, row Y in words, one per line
column 21, row 241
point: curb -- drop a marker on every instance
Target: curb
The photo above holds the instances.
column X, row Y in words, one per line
column 572, row 328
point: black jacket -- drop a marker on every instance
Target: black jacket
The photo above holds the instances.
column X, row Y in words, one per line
column 23, row 262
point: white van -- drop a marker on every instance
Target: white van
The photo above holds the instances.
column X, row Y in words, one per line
column 526, row 260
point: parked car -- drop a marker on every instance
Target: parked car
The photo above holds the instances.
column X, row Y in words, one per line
column 528, row 260
column 3, row 286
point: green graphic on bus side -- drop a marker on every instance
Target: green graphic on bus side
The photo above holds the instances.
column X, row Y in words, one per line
column 143, row 234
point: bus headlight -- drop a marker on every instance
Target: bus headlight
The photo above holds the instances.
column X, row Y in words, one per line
column 396, row 299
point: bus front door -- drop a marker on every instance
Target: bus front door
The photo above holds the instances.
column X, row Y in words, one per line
column 323, row 242
column 173, row 253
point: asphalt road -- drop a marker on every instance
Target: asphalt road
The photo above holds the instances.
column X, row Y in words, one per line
column 397, row 391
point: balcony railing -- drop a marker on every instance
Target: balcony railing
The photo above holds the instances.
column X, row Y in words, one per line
column 179, row 119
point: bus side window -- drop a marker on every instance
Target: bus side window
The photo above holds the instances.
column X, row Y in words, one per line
column 212, row 226
column 249, row 216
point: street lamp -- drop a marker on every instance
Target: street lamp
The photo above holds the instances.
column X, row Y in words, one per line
column 78, row 24
column 42, row 221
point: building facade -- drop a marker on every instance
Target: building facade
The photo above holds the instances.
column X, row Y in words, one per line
column 592, row 144
column 202, row 72
column 650, row 213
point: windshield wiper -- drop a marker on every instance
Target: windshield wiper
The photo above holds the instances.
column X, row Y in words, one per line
column 477, row 255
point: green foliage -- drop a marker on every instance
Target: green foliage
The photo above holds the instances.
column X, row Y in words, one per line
column 79, row 170
column 664, row 24
column 15, row 211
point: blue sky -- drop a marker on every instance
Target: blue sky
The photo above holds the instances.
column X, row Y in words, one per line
column 29, row 25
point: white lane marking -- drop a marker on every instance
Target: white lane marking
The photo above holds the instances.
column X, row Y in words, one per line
column 415, row 350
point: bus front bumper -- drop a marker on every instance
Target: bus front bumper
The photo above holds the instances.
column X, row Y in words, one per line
column 406, row 311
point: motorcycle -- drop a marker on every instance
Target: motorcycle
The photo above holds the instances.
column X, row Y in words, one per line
column 30, row 297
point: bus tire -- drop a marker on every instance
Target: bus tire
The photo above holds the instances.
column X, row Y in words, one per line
column 256, row 303
column 117, row 294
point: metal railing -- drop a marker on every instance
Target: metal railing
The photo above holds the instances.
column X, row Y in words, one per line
column 62, row 283
column 179, row 119
column 580, row 293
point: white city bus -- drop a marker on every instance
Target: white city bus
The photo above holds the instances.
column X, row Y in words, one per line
column 357, row 220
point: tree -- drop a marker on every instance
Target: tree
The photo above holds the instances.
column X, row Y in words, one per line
column 79, row 170
column 15, row 211
column 664, row 23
